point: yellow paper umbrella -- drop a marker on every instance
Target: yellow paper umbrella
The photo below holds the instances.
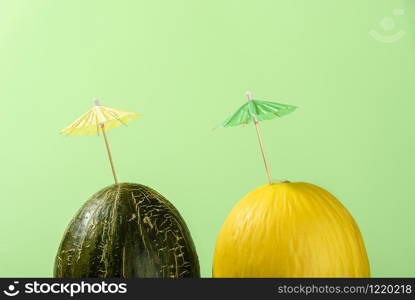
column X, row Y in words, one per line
column 100, row 118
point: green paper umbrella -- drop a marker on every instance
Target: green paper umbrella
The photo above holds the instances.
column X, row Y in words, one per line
column 256, row 111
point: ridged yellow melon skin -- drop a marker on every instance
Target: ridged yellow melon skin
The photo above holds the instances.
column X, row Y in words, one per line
column 290, row 230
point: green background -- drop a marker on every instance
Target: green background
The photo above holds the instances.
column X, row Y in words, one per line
column 185, row 65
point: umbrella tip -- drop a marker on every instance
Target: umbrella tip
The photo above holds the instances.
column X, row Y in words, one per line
column 96, row 102
column 248, row 95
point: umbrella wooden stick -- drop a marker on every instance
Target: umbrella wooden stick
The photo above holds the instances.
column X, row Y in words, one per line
column 249, row 96
column 109, row 153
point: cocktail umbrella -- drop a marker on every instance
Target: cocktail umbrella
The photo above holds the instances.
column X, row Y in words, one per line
column 256, row 111
column 100, row 118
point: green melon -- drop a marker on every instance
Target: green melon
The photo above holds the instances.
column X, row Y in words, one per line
column 127, row 230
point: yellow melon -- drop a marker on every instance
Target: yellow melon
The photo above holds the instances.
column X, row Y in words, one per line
column 290, row 230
